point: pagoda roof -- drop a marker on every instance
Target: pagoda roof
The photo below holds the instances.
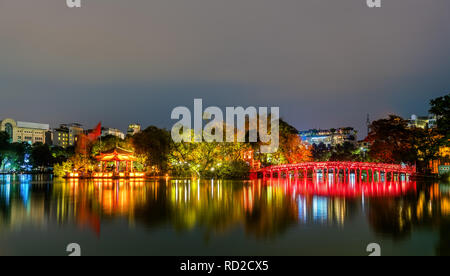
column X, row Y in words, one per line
column 116, row 154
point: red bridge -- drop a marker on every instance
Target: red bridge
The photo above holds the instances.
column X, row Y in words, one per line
column 346, row 169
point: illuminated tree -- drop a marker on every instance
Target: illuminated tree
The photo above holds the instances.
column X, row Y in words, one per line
column 214, row 159
column 427, row 143
column 109, row 143
column 61, row 170
column 294, row 150
column 391, row 141
column 291, row 148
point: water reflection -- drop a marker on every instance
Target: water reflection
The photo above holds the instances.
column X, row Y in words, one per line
column 264, row 209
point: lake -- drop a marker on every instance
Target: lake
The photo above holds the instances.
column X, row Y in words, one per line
column 41, row 216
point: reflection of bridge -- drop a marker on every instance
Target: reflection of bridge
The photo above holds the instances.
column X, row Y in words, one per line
column 350, row 189
column 346, row 169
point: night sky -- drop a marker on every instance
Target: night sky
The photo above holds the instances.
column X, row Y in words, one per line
column 325, row 63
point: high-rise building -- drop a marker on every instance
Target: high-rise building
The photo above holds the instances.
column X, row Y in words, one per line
column 134, row 129
column 24, row 132
column 67, row 135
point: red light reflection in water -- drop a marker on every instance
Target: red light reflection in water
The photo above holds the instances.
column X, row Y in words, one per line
column 350, row 189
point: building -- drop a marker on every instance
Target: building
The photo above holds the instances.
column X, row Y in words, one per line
column 329, row 138
column 134, row 129
column 25, row 132
column 429, row 121
column 113, row 132
column 67, row 135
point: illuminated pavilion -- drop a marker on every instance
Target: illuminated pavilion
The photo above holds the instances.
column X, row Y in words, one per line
column 117, row 156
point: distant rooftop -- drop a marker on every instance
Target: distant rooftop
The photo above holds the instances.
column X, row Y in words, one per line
column 33, row 125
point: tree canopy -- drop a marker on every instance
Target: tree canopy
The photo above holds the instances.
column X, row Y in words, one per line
column 391, row 141
column 441, row 108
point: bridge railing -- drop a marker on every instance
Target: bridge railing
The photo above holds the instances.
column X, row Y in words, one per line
column 396, row 168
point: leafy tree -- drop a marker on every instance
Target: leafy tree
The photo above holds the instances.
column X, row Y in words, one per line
column 12, row 155
column 41, row 156
column 344, row 152
column 220, row 160
column 427, row 143
column 321, row 152
column 441, row 108
column 291, row 148
column 60, row 170
column 109, row 143
column 294, row 150
column 392, row 141
column 153, row 145
column 61, row 155
column 4, row 147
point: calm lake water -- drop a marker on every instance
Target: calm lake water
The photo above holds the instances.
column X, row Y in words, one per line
column 41, row 216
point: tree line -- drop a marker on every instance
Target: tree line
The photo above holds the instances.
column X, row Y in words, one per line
column 391, row 140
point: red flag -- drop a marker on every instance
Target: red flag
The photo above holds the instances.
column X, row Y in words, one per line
column 97, row 132
column 85, row 140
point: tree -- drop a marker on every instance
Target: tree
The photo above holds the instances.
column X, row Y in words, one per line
column 60, row 170
column 109, row 143
column 427, row 143
column 291, row 148
column 211, row 160
column 41, row 156
column 4, row 147
column 344, row 152
column 61, row 155
column 12, row 155
column 392, row 141
column 294, row 150
column 153, row 145
column 441, row 108
column 321, row 152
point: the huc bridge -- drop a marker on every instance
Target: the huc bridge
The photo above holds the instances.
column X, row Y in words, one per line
column 372, row 171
